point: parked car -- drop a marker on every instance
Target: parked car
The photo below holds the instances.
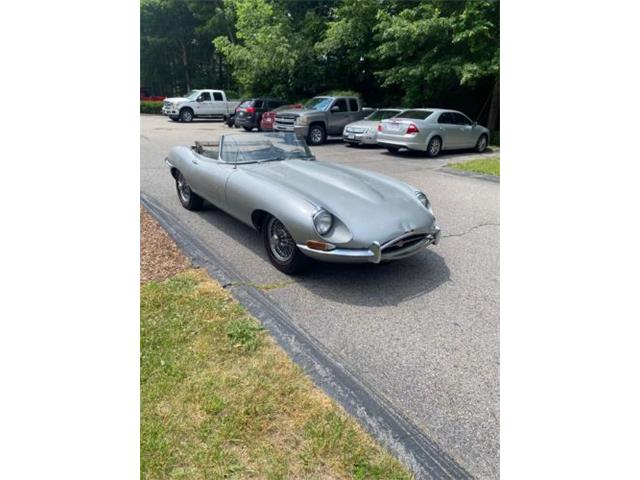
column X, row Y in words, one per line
column 250, row 111
column 231, row 119
column 304, row 208
column 432, row 130
column 364, row 132
column 320, row 117
column 199, row 104
column 269, row 118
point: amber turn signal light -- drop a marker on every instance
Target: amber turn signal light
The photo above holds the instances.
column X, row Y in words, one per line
column 315, row 245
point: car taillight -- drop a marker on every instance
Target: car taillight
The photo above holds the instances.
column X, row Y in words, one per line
column 412, row 128
column 379, row 127
column 250, row 110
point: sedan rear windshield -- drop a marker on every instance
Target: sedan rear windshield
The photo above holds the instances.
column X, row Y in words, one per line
column 382, row 114
column 416, row 114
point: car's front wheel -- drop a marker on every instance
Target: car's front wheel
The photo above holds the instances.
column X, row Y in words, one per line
column 186, row 115
column 187, row 197
column 434, row 147
column 281, row 247
column 316, row 135
column 481, row 145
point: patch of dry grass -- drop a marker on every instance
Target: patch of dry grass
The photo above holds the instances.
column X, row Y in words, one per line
column 160, row 257
column 219, row 399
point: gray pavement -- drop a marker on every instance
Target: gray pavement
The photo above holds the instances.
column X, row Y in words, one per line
column 423, row 332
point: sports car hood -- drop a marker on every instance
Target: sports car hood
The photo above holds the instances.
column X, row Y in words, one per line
column 372, row 206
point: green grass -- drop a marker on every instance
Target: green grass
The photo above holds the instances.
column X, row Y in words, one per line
column 219, row 399
column 487, row 166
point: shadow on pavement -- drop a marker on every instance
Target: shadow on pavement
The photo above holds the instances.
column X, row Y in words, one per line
column 355, row 284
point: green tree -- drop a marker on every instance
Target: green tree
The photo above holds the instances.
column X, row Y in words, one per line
column 262, row 58
column 432, row 46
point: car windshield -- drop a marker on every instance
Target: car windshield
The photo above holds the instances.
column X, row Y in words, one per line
column 415, row 114
column 192, row 95
column 319, row 103
column 382, row 114
column 264, row 147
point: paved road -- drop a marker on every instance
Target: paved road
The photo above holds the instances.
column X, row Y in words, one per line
column 424, row 332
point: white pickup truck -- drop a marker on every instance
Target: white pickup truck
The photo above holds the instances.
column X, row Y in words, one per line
column 199, row 104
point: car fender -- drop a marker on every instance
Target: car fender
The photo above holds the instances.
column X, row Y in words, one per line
column 246, row 193
column 433, row 132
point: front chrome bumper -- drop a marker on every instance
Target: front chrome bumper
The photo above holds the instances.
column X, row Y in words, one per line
column 374, row 254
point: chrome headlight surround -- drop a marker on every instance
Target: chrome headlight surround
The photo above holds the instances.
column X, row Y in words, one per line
column 422, row 198
column 322, row 221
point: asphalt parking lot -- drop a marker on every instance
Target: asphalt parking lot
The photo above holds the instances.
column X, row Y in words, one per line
column 424, row 331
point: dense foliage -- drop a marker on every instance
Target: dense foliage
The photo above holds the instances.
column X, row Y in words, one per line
column 392, row 52
column 150, row 107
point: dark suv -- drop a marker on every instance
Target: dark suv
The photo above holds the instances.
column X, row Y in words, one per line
column 250, row 111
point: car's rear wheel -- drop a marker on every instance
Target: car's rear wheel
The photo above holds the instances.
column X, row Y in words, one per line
column 434, row 147
column 248, row 129
column 481, row 144
column 281, row 247
column 186, row 115
column 187, row 197
column 392, row 149
column 316, row 135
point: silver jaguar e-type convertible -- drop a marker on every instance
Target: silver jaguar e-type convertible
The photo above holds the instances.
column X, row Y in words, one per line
column 303, row 207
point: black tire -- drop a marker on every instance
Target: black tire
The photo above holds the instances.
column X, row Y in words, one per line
column 481, row 144
column 186, row 115
column 434, row 147
column 188, row 198
column 248, row 129
column 282, row 251
column 316, row 135
column 392, row 149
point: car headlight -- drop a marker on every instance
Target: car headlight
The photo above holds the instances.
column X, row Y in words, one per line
column 323, row 221
column 422, row 198
column 302, row 120
column 174, row 105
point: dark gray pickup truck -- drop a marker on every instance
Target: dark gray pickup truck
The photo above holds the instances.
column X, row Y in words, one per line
column 320, row 117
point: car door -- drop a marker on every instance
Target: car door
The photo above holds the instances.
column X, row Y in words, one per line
column 208, row 178
column 355, row 113
column 339, row 116
column 466, row 131
column 203, row 104
column 218, row 106
column 449, row 131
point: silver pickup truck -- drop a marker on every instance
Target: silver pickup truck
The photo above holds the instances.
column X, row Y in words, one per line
column 199, row 104
column 320, row 117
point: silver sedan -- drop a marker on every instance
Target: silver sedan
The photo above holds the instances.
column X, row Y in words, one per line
column 432, row 130
column 364, row 132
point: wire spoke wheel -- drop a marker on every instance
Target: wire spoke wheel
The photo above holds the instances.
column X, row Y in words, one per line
column 281, row 242
column 183, row 189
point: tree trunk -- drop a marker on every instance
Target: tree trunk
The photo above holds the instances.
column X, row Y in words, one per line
column 185, row 64
column 494, row 108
